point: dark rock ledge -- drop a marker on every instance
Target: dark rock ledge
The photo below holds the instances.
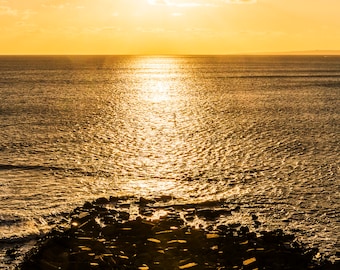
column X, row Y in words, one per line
column 107, row 234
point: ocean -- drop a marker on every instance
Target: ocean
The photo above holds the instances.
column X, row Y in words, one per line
column 258, row 132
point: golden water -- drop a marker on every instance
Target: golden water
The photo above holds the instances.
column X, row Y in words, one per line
column 258, row 132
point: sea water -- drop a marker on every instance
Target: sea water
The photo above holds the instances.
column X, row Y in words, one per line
column 258, row 132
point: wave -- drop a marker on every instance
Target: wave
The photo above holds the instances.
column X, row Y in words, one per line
column 73, row 171
column 20, row 239
column 28, row 167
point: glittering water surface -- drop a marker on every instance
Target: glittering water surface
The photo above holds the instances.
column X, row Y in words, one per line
column 258, row 132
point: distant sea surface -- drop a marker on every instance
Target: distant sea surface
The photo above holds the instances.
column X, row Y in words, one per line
column 259, row 132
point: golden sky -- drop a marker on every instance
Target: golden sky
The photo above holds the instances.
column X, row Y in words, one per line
column 167, row 26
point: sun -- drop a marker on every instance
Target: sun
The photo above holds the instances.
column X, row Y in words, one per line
column 158, row 2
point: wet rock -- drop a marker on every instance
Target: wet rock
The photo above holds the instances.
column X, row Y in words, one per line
column 101, row 201
column 143, row 202
column 113, row 199
column 124, row 215
column 165, row 198
column 109, row 231
column 257, row 223
column 244, row 230
column 167, row 243
column 146, row 212
column 210, row 214
column 82, row 217
column 87, row 205
column 236, row 209
column 108, row 218
column 189, row 216
column 11, row 253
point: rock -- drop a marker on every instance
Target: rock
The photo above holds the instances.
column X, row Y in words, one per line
column 249, row 261
column 11, row 253
column 188, row 265
column 244, row 230
column 87, row 205
column 109, row 231
column 83, row 216
column 257, row 223
column 167, row 243
column 143, row 202
column 102, row 200
column 165, row 198
column 124, row 215
column 210, row 214
column 113, row 199
column 90, row 226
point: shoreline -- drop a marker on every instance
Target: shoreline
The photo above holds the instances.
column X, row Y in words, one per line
column 107, row 234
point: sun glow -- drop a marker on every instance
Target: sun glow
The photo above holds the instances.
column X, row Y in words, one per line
column 147, row 187
column 158, row 92
column 158, row 2
column 167, row 26
column 157, row 87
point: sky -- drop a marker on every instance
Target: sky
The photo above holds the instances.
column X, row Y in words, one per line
column 168, row 26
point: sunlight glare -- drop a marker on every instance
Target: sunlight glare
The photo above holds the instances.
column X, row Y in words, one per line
column 158, row 82
column 158, row 2
column 147, row 187
column 158, row 92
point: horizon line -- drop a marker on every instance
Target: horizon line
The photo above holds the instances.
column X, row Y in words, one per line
column 282, row 53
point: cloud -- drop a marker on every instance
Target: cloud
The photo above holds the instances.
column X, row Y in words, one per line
column 159, row 2
column 198, row 3
column 178, row 3
column 151, row 30
column 6, row 10
column 94, row 30
column 240, row 1
column 176, row 14
column 22, row 14
column 58, row 6
column 26, row 14
column 63, row 4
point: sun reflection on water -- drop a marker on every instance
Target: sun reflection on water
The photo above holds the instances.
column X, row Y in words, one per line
column 153, row 109
column 157, row 77
column 157, row 92
column 145, row 188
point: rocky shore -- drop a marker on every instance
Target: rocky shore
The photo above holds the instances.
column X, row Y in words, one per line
column 136, row 233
